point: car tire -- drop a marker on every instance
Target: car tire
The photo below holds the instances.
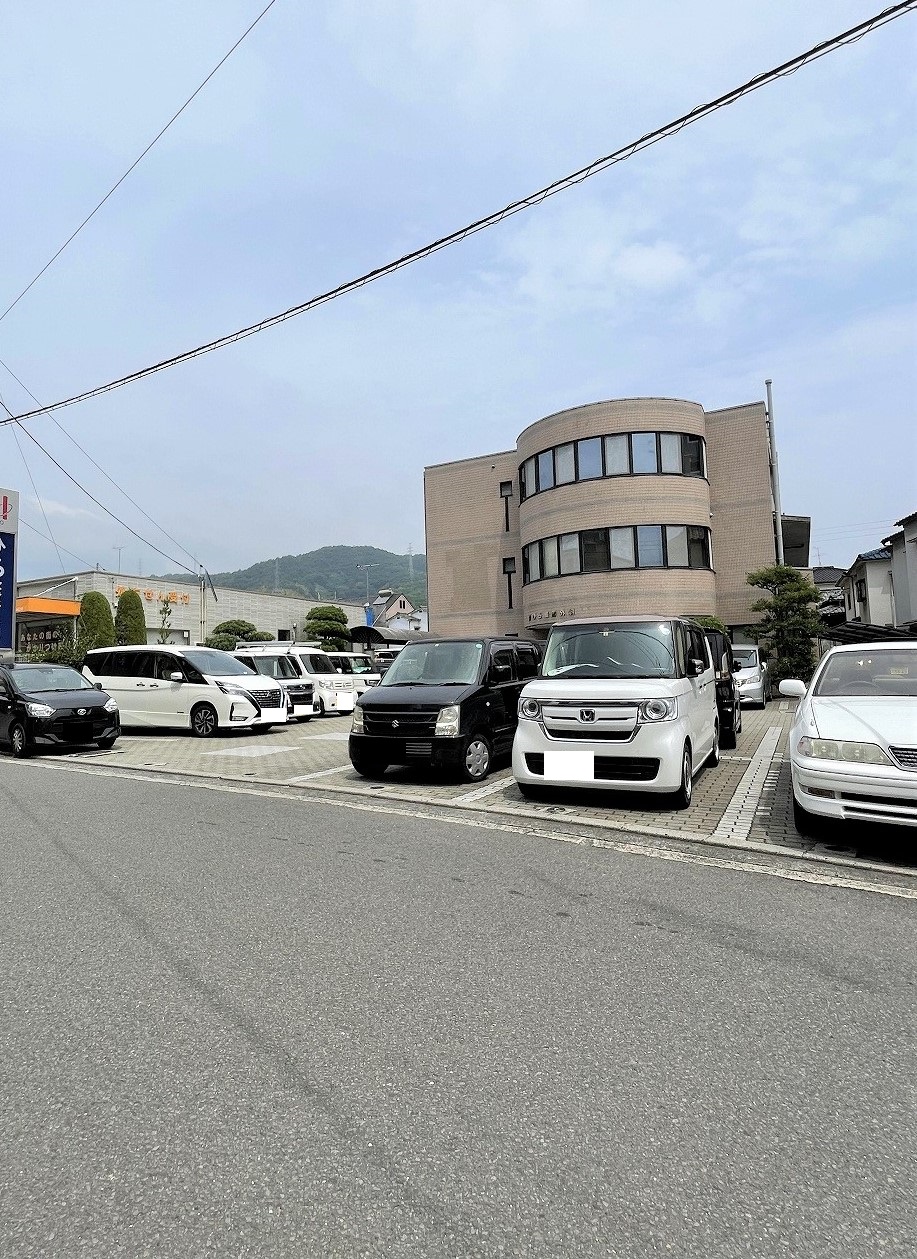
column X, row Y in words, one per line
column 204, row 721
column 106, row 743
column 682, row 797
column 730, row 735
column 19, row 743
column 737, row 719
column 476, row 757
column 321, row 707
column 304, row 719
column 369, row 766
column 806, row 823
column 713, row 758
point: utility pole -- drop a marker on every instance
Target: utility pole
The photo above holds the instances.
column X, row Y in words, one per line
column 119, row 549
column 366, row 568
column 775, row 473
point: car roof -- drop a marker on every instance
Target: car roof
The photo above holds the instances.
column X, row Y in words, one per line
column 865, row 648
column 621, row 620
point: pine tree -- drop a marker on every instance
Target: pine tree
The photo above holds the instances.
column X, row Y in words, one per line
column 790, row 623
column 328, row 625
column 96, row 624
column 130, row 618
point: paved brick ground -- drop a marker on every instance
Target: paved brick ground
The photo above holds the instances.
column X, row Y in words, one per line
column 745, row 801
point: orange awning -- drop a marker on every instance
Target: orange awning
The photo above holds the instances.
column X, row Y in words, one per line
column 48, row 607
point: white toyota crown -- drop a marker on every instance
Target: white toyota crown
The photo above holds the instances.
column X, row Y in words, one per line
column 853, row 742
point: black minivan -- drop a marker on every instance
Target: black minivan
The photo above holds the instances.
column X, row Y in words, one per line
column 728, row 700
column 450, row 703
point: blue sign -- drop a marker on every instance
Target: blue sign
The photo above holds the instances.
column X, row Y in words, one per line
column 7, row 590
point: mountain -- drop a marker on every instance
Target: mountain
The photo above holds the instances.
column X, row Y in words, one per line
column 330, row 574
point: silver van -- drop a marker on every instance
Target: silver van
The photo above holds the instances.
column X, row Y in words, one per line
column 190, row 688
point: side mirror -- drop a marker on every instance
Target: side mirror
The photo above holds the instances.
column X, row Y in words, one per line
column 500, row 672
column 696, row 667
column 736, row 667
column 792, row 687
column 176, row 677
column 97, row 685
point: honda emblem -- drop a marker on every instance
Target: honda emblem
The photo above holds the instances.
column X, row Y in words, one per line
column 587, row 714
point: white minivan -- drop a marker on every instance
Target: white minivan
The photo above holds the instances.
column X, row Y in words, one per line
column 193, row 688
column 333, row 692
column 624, row 703
column 357, row 665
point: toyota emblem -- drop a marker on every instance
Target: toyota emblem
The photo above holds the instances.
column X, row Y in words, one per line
column 587, row 714
column 81, row 712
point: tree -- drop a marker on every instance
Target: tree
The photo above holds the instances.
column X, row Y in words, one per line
column 790, row 622
column 165, row 620
column 328, row 624
column 231, row 631
column 711, row 622
column 96, row 626
column 130, row 619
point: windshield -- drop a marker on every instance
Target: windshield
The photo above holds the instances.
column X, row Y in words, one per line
column 211, row 662
column 641, row 649
column 886, row 673
column 353, row 664
column 274, row 666
column 45, row 677
column 435, row 664
column 746, row 657
column 317, row 662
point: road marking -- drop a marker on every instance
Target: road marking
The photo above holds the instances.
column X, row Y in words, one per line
column 490, row 789
column 319, row 773
column 262, row 751
column 793, row 875
column 737, row 820
column 328, row 738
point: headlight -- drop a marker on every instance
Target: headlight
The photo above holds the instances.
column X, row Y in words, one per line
column 111, row 706
column 356, row 726
column 842, row 750
column 39, row 710
column 529, row 708
column 658, row 710
column 325, row 683
column 229, row 688
column 447, row 723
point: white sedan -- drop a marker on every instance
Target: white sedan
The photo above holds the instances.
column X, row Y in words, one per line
column 853, row 742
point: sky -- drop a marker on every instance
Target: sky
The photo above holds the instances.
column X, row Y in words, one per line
column 773, row 239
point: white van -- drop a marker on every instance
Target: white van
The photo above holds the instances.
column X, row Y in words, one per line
column 334, row 693
column 192, row 688
column 625, row 703
column 359, row 666
column 301, row 702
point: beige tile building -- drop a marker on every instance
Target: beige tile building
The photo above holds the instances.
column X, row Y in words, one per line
column 635, row 505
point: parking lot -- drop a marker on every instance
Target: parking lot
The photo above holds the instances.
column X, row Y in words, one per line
column 745, row 801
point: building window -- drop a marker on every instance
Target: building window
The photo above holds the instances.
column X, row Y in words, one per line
column 606, row 550
column 617, row 454
column 565, row 463
column 649, row 546
column 546, row 470
column 596, row 556
column 569, row 553
column 861, row 590
column 589, row 454
column 643, row 453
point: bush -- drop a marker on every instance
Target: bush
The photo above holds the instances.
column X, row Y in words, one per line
column 233, row 630
column 328, row 625
column 96, row 626
column 130, row 619
column 222, row 642
column 790, row 623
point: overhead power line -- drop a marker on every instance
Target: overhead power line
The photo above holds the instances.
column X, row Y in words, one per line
column 561, row 185
column 114, row 188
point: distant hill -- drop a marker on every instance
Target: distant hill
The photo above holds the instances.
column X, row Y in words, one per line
column 329, row 574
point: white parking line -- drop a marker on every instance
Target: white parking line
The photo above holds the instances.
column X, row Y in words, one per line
column 261, row 751
column 490, row 789
column 319, row 773
column 737, row 820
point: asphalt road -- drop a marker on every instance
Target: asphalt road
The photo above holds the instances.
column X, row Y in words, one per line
column 235, row 1024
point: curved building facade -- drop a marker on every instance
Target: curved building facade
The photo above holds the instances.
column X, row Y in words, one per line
column 635, row 505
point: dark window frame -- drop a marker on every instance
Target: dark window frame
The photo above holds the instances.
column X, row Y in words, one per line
column 705, row 541
column 691, row 444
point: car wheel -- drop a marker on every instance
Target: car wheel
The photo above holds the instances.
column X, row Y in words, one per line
column 807, row 823
column 682, row 797
column 729, row 736
column 106, row 743
column 369, row 766
column 321, row 707
column 738, row 717
column 476, row 759
column 204, row 721
column 714, row 757
column 19, row 744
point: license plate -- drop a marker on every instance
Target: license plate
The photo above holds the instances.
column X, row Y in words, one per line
column 570, row 766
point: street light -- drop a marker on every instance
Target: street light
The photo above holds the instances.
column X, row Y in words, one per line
column 366, row 568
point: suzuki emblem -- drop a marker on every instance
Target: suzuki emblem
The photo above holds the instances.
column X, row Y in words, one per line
column 587, row 714
column 395, row 724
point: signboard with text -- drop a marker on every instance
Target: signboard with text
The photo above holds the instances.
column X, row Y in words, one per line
column 9, row 525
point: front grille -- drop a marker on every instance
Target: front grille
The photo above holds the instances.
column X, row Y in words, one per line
column 417, row 747
column 410, row 724
column 626, row 768
column 594, row 734
column 906, row 757
column 265, row 699
column 535, row 762
column 887, row 802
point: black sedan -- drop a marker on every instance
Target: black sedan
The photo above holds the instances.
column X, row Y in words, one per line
column 52, row 704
